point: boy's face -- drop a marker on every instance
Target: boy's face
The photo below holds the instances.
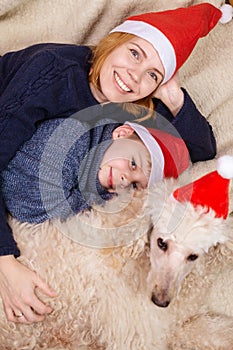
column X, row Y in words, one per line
column 125, row 164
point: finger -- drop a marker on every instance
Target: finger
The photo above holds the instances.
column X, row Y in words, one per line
column 39, row 307
column 19, row 317
column 45, row 288
column 17, row 313
column 29, row 316
column 10, row 315
column 21, row 320
column 25, row 313
column 13, row 316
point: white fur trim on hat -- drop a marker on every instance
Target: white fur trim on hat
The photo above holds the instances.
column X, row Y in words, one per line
column 156, row 154
column 225, row 166
column 159, row 41
column 227, row 13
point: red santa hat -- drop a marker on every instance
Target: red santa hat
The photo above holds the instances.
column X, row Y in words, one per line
column 174, row 33
column 169, row 154
column 211, row 190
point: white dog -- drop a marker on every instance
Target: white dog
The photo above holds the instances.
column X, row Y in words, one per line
column 107, row 296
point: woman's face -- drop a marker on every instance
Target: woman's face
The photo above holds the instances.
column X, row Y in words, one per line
column 131, row 72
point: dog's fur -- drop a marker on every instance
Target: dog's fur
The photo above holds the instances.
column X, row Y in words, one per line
column 105, row 294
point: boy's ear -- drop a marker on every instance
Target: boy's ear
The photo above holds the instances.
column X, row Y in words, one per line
column 122, row 131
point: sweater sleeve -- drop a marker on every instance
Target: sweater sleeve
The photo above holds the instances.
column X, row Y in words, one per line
column 194, row 129
column 8, row 245
column 43, row 86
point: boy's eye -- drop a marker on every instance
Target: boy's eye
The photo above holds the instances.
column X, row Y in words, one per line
column 153, row 76
column 133, row 164
column 134, row 53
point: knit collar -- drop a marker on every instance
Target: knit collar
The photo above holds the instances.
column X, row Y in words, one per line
column 89, row 184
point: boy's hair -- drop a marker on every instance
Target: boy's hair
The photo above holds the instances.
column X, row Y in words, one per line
column 100, row 53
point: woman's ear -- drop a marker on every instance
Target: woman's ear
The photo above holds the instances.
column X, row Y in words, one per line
column 122, row 131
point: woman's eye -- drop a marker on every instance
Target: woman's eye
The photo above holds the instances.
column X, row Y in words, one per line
column 134, row 53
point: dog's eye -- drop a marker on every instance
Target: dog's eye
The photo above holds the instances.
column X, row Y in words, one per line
column 162, row 244
column 192, row 257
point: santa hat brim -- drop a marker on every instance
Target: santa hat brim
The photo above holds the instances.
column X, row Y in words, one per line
column 156, row 154
column 159, row 41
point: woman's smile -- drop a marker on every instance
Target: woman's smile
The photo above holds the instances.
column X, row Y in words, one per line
column 121, row 84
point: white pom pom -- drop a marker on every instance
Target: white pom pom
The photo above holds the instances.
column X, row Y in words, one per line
column 225, row 167
column 227, row 13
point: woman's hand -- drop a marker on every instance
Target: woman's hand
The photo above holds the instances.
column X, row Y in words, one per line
column 17, row 289
column 171, row 95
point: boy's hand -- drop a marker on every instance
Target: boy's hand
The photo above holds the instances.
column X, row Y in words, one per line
column 171, row 95
column 17, row 289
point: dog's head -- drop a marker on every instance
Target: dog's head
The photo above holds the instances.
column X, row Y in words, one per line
column 185, row 226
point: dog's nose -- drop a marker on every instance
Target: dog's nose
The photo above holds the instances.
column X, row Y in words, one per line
column 158, row 302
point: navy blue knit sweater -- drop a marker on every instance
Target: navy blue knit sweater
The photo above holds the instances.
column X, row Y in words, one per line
column 51, row 81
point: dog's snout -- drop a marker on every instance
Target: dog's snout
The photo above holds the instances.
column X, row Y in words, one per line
column 160, row 303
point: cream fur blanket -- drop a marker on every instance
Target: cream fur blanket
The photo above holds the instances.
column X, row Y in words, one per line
column 207, row 74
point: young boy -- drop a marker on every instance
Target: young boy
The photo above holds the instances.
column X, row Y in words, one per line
column 68, row 165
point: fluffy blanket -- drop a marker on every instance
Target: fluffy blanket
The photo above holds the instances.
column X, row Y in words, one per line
column 207, row 74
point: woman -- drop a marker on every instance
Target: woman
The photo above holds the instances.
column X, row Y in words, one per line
column 50, row 80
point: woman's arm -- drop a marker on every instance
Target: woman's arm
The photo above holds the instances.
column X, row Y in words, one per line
column 171, row 95
column 191, row 125
column 30, row 92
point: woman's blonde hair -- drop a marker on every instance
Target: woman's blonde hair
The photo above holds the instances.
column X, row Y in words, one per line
column 100, row 53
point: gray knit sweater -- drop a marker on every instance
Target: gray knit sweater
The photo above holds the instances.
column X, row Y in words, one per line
column 54, row 174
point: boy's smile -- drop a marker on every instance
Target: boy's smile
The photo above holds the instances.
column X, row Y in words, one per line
column 110, row 183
